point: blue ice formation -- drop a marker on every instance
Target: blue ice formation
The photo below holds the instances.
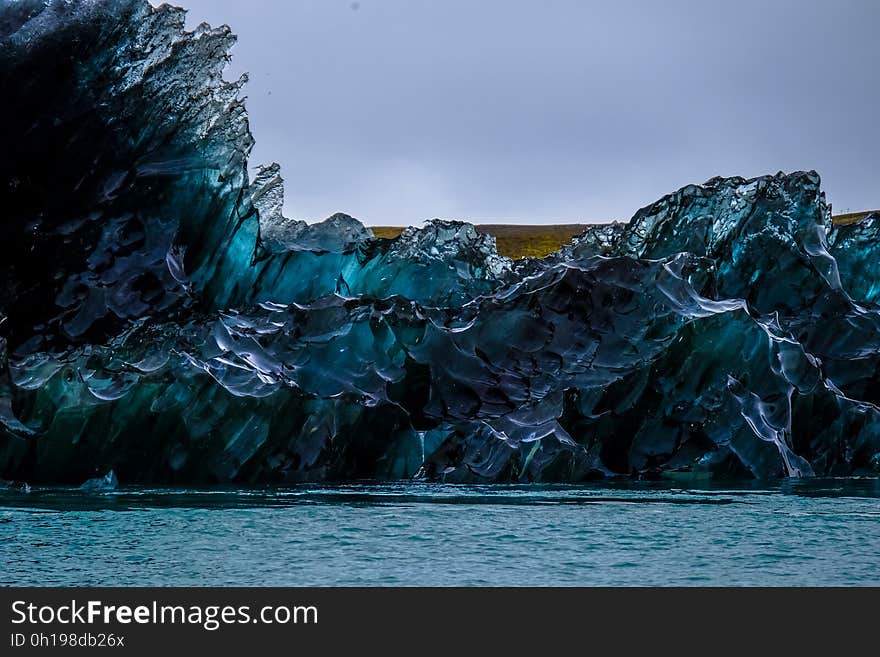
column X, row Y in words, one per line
column 161, row 319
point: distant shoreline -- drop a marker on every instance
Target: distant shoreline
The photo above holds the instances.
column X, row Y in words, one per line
column 538, row 240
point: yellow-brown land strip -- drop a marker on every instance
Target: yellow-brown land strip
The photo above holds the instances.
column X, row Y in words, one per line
column 536, row 241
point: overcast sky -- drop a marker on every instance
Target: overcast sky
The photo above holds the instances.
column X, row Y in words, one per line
column 552, row 111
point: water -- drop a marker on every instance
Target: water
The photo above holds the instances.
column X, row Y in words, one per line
column 796, row 533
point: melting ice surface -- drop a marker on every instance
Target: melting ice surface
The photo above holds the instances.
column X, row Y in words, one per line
column 161, row 318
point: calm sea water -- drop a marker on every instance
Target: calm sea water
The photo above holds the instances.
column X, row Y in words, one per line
column 796, row 533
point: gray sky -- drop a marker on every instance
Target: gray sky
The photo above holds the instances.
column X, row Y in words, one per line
column 397, row 111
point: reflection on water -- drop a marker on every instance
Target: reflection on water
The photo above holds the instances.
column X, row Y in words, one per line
column 792, row 533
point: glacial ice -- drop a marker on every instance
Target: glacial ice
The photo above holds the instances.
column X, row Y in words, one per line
column 161, row 320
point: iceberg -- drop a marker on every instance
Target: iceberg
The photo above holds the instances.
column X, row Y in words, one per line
column 163, row 321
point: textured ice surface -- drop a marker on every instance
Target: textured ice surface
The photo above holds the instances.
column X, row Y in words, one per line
column 162, row 320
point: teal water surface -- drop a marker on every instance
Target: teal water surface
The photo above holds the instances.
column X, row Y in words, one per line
column 795, row 533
